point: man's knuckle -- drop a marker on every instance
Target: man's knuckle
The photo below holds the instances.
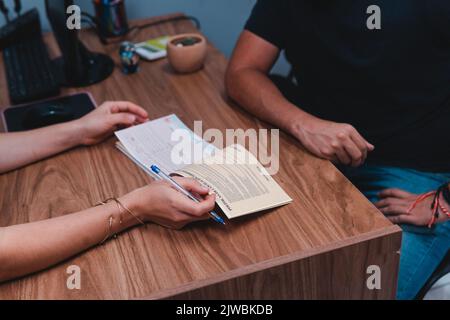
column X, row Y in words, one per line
column 335, row 144
column 348, row 127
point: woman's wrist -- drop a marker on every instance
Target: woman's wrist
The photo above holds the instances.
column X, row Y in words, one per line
column 115, row 219
column 78, row 132
column 70, row 133
column 130, row 202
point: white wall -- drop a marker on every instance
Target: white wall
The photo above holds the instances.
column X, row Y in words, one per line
column 222, row 20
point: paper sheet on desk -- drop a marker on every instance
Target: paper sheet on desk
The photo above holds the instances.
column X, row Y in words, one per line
column 153, row 142
column 241, row 184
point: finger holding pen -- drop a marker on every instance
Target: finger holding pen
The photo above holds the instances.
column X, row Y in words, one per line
column 185, row 192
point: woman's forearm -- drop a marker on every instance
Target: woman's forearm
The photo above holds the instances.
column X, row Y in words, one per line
column 35, row 246
column 22, row 148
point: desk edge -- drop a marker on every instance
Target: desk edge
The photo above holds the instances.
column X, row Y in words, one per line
column 271, row 263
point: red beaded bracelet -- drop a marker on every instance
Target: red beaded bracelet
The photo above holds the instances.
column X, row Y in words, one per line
column 435, row 205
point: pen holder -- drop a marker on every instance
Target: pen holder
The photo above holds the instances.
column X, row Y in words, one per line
column 186, row 52
column 111, row 17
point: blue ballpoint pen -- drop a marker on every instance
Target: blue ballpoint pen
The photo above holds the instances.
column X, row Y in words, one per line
column 166, row 177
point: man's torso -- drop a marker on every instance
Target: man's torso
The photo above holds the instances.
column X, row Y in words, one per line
column 387, row 72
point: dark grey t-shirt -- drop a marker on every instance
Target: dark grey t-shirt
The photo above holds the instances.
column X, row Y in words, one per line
column 392, row 84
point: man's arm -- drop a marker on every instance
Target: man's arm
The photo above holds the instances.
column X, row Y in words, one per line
column 248, row 84
column 21, row 148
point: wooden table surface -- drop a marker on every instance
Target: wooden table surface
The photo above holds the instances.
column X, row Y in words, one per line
column 328, row 212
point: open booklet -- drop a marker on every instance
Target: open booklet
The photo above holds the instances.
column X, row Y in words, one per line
column 241, row 184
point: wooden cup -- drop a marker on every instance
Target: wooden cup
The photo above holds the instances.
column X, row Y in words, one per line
column 186, row 58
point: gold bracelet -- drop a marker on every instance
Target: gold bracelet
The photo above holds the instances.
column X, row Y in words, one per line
column 110, row 221
column 108, row 235
column 117, row 204
column 120, row 206
column 129, row 211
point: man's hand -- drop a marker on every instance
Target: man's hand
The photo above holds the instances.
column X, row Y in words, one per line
column 107, row 118
column 394, row 203
column 338, row 142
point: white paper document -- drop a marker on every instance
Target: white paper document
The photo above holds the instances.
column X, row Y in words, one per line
column 153, row 143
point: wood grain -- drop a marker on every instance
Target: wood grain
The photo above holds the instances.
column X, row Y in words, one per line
column 317, row 247
column 329, row 275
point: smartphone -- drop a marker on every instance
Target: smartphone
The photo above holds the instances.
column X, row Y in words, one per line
column 47, row 112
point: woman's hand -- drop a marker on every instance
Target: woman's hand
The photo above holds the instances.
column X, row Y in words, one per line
column 338, row 142
column 394, row 203
column 107, row 118
column 159, row 202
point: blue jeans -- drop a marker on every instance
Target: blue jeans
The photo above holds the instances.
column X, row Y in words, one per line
column 422, row 248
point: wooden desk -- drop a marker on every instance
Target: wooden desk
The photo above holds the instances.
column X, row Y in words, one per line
column 318, row 247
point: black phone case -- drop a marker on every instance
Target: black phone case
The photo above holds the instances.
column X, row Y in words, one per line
column 80, row 104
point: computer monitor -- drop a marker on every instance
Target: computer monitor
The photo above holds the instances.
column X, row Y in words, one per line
column 80, row 66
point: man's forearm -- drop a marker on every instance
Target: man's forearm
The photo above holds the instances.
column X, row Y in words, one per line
column 22, row 148
column 254, row 91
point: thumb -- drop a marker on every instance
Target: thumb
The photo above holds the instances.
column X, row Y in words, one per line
column 192, row 186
